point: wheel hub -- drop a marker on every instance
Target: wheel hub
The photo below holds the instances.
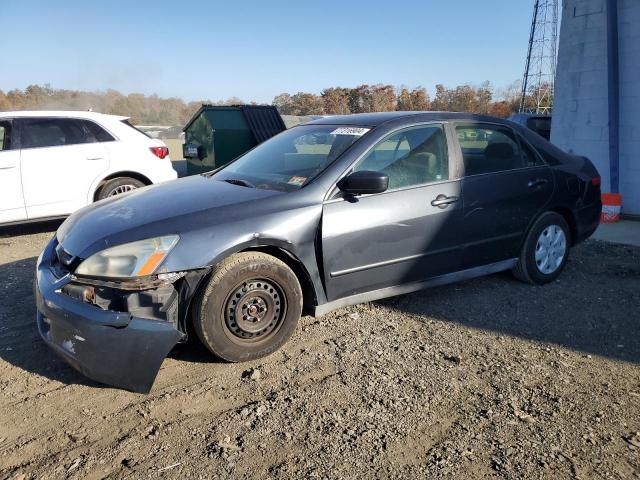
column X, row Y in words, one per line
column 551, row 249
column 122, row 189
column 254, row 309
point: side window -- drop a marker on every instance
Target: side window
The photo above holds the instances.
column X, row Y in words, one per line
column 5, row 136
column 94, row 133
column 488, row 148
column 529, row 157
column 410, row 157
column 51, row 132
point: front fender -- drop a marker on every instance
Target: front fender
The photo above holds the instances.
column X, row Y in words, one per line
column 293, row 232
column 307, row 270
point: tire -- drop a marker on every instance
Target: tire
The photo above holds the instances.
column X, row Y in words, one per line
column 550, row 233
column 119, row 185
column 249, row 308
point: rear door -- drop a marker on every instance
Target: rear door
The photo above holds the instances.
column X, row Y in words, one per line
column 61, row 157
column 400, row 236
column 506, row 185
column 12, row 201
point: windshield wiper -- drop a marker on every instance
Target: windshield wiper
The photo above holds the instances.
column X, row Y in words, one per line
column 237, row 181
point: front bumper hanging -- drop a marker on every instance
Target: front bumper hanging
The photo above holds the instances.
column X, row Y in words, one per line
column 108, row 340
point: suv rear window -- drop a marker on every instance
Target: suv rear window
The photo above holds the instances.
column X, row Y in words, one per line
column 95, row 133
column 129, row 124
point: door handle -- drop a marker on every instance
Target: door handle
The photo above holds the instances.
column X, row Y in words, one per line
column 442, row 201
column 537, row 182
column 95, row 158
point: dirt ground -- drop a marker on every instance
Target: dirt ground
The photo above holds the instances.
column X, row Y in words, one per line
column 487, row 378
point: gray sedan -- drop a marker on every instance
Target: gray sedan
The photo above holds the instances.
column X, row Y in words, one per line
column 335, row 212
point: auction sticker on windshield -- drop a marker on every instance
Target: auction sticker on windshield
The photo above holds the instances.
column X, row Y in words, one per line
column 297, row 180
column 356, row 131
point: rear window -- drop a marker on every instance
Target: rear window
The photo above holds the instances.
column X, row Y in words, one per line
column 51, row 132
column 95, row 133
column 490, row 148
column 129, row 124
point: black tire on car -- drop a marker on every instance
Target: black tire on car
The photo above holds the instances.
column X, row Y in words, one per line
column 545, row 250
column 119, row 185
column 249, row 308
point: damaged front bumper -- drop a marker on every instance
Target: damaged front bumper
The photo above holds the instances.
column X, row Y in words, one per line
column 115, row 337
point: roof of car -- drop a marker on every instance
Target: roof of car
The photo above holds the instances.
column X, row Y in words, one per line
column 378, row 118
column 60, row 113
column 522, row 115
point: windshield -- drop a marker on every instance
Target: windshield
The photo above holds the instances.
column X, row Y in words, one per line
column 291, row 159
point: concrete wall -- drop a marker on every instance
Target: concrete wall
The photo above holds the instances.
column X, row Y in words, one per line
column 580, row 112
column 629, row 38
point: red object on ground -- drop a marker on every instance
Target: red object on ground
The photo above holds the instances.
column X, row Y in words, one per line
column 611, row 205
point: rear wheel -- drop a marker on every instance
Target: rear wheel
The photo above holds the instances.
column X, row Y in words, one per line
column 545, row 250
column 117, row 186
column 249, row 308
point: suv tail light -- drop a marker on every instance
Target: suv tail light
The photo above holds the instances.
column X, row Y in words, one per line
column 595, row 181
column 160, row 152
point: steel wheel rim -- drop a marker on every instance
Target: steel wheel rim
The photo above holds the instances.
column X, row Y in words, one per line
column 121, row 189
column 255, row 309
column 551, row 249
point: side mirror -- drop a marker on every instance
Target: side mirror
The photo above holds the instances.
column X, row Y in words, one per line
column 364, row 181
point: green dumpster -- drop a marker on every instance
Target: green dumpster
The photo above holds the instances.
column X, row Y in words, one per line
column 218, row 134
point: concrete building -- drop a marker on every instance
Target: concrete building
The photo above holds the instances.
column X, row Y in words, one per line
column 596, row 109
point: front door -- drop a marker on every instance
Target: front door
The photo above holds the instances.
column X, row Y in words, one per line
column 60, row 161
column 506, row 185
column 12, row 202
column 408, row 233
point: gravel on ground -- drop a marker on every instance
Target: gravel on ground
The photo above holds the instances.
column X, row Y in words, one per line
column 490, row 378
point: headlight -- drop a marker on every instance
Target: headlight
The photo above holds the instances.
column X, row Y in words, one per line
column 134, row 259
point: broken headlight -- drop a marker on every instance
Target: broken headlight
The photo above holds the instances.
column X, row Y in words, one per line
column 135, row 259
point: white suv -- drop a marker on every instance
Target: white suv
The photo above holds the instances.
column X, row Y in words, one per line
column 52, row 163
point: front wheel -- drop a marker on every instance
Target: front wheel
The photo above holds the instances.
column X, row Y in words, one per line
column 249, row 308
column 545, row 250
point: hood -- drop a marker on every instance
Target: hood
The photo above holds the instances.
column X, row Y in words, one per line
column 152, row 211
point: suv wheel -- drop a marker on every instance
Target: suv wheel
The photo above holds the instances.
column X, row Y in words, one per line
column 545, row 250
column 249, row 308
column 116, row 186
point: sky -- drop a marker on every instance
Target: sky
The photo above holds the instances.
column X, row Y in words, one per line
column 254, row 50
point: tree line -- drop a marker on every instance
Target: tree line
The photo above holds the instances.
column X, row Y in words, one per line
column 383, row 98
column 143, row 109
column 154, row 110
